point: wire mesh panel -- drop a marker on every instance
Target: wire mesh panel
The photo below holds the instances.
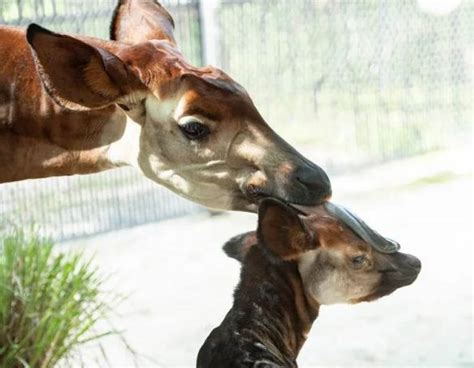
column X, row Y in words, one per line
column 362, row 81
column 69, row 207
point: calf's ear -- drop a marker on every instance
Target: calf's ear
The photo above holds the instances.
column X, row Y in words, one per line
column 239, row 245
column 282, row 231
column 80, row 76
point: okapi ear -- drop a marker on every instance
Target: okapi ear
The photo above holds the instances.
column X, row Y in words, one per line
column 282, row 231
column 239, row 245
column 77, row 75
column 136, row 21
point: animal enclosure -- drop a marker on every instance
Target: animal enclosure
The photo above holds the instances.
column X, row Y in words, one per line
column 353, row 83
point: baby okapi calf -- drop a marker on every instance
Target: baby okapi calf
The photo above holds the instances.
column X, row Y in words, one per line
column 290, row 266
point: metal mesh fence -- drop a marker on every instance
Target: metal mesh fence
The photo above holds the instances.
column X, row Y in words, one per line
column 361, row 81
column 358, row 82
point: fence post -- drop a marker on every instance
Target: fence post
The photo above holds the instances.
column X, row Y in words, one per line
column 208, row 13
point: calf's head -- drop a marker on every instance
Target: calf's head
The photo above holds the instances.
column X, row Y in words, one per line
column 201, row 135
column 335, row 263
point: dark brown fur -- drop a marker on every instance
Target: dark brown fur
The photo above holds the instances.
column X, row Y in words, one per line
column 269, row 319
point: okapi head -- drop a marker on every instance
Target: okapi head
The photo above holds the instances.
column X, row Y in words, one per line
column 201, row 135
column 339, row 258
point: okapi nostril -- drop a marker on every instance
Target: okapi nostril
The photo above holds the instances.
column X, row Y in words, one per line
column 253, row 191
column 313, row 177
column 315, row 183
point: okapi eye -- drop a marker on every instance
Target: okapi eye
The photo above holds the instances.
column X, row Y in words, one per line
column 359, row 261
column 194, row 130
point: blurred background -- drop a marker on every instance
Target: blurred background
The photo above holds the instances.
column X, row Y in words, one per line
column 379, row 93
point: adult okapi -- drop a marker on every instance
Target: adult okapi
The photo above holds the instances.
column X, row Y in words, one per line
column 79, row 105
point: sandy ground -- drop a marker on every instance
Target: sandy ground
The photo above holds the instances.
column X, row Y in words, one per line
column 180, row 283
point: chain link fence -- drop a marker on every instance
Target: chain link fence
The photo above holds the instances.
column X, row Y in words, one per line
column 359, row 82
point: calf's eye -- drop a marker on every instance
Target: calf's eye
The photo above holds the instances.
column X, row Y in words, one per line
column 194, row 130
column 359, row 261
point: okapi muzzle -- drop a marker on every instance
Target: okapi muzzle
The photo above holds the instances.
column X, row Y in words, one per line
column 277, row 170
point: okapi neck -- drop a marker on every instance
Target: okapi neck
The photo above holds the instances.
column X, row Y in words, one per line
column 271, row 301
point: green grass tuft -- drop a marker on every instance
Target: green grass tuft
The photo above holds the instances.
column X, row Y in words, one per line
column 49, row 302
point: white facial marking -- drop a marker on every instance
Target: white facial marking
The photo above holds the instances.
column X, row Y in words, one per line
column 178, row 112
column 160, row 110
column 187, row 119
column 252, row 151
column 332, row 290
column 125, row 151
column 178, row 182
column 306, row 262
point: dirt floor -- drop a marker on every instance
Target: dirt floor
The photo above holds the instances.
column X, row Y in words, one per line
column 180, row 283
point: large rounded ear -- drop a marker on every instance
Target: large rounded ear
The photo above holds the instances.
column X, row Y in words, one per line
column 239, row 245
column 77, row 75
column 136, row 21
column 282, row 231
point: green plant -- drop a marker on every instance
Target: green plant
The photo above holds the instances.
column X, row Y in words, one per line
column 49, row 302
